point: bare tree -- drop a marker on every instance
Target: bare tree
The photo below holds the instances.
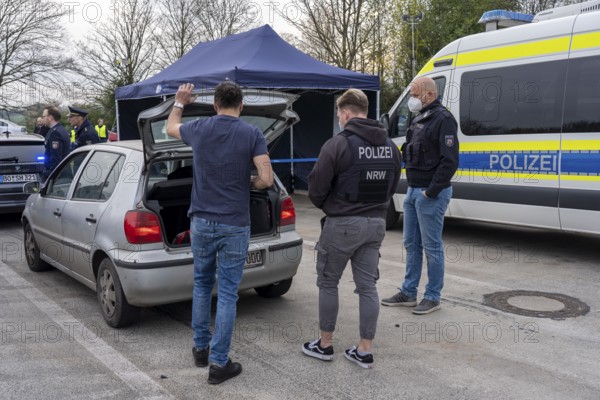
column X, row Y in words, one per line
column 178, row 31
column 31, row 49
column 220, row 18
column 123, row 54
column 335, row 31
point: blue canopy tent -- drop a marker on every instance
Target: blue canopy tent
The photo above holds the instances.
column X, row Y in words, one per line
column 258, row 58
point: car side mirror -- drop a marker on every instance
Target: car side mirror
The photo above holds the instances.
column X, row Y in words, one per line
column 31, row 187
column 385, row 121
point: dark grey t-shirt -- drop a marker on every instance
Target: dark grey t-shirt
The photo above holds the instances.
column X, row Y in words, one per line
column 223, row 147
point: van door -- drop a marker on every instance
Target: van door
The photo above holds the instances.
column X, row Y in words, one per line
column 509, row 116
column 579, row 195
column 400, row 118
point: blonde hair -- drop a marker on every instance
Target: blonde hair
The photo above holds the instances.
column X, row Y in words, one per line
column 354, row 100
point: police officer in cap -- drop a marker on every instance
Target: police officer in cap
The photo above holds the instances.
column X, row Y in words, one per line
column 85, row 133
column 352, row 182
column 57, row 142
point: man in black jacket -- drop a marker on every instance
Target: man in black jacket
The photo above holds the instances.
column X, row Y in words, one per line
column 430, row 155
column 57, row 145
column 352, row 182
column 85, row 132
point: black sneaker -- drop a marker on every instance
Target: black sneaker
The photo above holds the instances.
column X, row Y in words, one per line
column 218, row 374
column 363, row 361
column 315, row 350
column 426, row 307
column 200, row 357
column 399, row 299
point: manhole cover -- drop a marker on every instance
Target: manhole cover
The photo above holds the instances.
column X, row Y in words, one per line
column 536, row 304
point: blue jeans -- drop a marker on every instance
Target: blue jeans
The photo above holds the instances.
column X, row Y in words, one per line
column 211, row 240
column 423, row 225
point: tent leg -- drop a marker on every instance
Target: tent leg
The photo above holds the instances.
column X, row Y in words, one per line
column 292, row 178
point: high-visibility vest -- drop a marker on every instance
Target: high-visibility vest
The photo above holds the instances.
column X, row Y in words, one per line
column 72, row 135
column 101, row 131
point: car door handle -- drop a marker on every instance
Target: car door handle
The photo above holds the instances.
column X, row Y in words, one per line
column 57, row 213
column 91, row 220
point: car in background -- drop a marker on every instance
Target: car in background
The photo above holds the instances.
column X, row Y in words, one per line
column 114, row 215
column 113, row 136
column 11, row 127
column 21, row 162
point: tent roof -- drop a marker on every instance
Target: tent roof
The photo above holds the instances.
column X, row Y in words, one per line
column 257, row 58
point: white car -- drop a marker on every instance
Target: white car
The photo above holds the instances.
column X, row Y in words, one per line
column 11, row 127
column 114, row 216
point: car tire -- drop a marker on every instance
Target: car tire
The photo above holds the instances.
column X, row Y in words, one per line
column 274, row 290
column 32, row 252
column 392, row 216
column 117, row 312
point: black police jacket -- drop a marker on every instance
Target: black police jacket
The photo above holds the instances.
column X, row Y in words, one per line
column 85, row 134
column 57, row 146
column 430, row 153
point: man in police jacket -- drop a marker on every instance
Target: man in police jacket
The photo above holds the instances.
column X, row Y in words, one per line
column 57, row 145
column 85, row 132
column 430, row 155
column 352, row 182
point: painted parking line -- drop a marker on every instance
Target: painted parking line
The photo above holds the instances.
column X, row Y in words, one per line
column 124, row 369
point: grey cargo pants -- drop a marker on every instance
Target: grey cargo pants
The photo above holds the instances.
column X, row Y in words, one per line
column 357, row 239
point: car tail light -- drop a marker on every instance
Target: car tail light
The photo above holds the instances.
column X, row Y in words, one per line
column 288, row 212
column 142, row 227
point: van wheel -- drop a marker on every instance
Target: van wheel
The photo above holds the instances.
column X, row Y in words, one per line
column 32, row 252
column 392, row 216
column 276, row 289
column 117, row 312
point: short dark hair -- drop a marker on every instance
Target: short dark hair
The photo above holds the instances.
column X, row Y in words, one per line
column 228, row 95
column 54, row 112
column 355, row 100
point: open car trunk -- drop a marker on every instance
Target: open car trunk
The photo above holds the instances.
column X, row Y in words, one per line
column 170, row 199
column 168, row 167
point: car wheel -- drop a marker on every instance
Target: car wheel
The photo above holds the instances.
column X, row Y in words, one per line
column 392, row 216
column 117, row 312
column 276, row 289
column 32, row 252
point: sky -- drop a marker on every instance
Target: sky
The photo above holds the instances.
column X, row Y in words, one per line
column 83, row 15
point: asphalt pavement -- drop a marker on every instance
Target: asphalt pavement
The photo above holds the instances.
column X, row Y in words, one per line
column 54, row 343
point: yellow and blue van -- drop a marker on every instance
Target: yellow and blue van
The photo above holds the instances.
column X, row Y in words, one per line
column 527, row 102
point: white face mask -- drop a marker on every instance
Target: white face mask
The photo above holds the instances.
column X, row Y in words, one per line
column 414, row 104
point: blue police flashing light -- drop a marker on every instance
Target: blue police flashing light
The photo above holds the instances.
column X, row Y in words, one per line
column 41, row 158
column 500, row 15
column 501, row 18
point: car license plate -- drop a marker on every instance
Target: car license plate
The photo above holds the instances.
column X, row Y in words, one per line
column 254, row 259
column 18, row 178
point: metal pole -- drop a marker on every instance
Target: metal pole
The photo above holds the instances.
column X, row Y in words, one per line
column 412, row 25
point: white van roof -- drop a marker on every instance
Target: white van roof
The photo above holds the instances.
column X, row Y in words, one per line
column 565, row 11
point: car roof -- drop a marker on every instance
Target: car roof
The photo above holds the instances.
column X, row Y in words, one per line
column 21, row 136
column 126, row 144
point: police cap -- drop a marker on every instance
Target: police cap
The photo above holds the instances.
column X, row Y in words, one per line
column 77, row 112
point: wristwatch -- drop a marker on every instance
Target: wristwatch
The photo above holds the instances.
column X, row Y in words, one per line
column 178, row 105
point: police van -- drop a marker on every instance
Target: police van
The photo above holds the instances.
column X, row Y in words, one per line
column 527, row 103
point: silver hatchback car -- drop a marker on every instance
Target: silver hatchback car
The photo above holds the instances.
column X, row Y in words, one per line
column 114, row 216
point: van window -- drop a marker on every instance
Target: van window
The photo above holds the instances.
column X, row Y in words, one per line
column 582, row 107
column 513, row 100
column 402, row 116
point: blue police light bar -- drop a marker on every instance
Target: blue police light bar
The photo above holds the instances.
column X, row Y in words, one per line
column 41, row 158
column 503, row 15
